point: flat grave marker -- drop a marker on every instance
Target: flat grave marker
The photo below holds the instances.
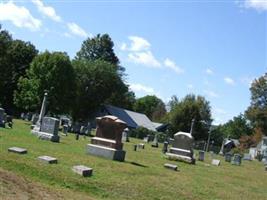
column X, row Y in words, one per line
column 215, row 162
column 17, row 150
column 82, row 170
column 48, row 159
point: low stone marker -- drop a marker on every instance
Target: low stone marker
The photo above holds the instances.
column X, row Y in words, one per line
column 48, row 159
column 247, row 156
column 17, row 150
column 135, row 147
column 171, row 166
column 215, row 162
column 141, row 146
column 228, row 157
column 237, row 159
column 82, row 170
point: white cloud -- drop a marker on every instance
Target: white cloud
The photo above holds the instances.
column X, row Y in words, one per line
column 209, row 71
column 46, row 10
column 229, row 81
column 171, row 64
column 76, row 30
column 19, row 16
column 136, row 87
column 260, row 5
column 211, row 94
column 145, row 58
column 123, row 46
column 138, row 44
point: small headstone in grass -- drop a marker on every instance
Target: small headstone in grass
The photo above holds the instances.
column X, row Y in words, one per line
column 171, row 166
column 201, row 155
column 155, row 142
column 17, row 150
column 247, row 156
column 237, row 159
column 141, row 146
column 165, row 147
column 48, row 159
column 135, row 147
column 125, row 135
column 2, row 117
column 82, row 170
column 65, row 129
column 215, row 162
column 228, row 157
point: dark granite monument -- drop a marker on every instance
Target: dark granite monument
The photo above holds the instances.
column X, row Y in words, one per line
column 108, row 140
column 2, row 118
column 182, row 148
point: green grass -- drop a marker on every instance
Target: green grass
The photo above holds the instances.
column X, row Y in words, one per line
column 141, row 176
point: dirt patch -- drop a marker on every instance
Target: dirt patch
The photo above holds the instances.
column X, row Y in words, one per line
column 16, row 187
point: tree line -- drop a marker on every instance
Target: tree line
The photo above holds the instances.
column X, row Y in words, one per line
column 79, row 86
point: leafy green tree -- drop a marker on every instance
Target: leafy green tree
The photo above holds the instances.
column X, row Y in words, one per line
column 99, row 47
column 96, row 82
column 152, row 106
column 191, row 107
column 15, row 58
column 122, row 97
column 52, row 72
column 257, row 111
column 235, row 128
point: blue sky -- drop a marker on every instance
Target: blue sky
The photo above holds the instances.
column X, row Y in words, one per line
column 211, row 48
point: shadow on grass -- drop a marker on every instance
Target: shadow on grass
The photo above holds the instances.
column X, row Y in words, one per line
column 136, row 164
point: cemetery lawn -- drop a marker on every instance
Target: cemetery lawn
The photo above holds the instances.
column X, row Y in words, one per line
column 141, row 176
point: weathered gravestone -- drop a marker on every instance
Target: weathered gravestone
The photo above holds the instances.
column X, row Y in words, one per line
column 125, row 135
column 17, row 150
column 215, row 162
column 47, row 159
column 155, row 142
column 2, row 118
column 171, row 166
column 49, row 129
column 107, row 142
column 35, row 118
column 237, row 159
column 247, row 156
column 182, row 148
column 82, row 170
column 201, row 155
column 65, row 129
column 165, row 147
column 141, row 146
column 228, row 157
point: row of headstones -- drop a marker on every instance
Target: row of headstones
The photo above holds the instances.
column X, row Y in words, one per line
column 5, row 119
column 79, row 169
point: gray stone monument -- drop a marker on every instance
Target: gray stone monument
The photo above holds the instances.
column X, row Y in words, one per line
column 107, row 142
column 65, row 129
column 237, row 159
column 37, row 127
column 182, row 148
column 49, row 129
column 2, row 118
column 201, row 155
